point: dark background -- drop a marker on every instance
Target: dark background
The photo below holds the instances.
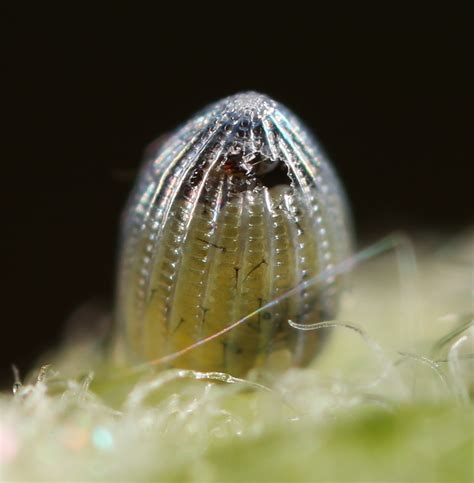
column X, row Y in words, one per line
column 388, row 93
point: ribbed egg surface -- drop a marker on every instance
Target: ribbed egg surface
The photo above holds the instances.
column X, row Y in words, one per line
column 232, row 211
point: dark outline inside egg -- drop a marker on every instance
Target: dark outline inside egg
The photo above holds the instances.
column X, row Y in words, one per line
column 234, row 209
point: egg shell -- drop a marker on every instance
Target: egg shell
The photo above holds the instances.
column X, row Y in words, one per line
column 234, row 209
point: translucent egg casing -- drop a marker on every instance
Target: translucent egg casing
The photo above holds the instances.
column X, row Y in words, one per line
column 234, row 209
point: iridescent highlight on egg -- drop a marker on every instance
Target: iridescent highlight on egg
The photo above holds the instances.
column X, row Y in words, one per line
column 234, row 209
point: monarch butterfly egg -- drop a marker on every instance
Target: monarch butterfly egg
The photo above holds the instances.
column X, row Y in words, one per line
column 236, row 208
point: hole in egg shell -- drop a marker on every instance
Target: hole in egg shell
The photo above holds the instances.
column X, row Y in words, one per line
column 259, row 166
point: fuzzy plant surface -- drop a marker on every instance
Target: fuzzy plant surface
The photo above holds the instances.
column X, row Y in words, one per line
column 390, row 398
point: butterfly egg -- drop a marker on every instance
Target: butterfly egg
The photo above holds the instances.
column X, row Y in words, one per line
column 229, row 213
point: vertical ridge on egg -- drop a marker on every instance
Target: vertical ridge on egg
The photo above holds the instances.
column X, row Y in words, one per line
column 230, row 212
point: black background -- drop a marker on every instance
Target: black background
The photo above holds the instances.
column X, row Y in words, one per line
column 387, row 93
